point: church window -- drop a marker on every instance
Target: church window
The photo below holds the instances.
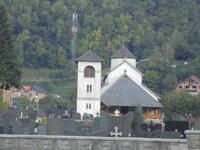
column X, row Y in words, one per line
column 194, row 87
column 186, row 86
column 88, row 106
column 89, row 88
column 180, row 86
column 89, row 72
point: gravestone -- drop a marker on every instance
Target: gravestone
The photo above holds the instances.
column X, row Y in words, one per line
column 116, row 133
column 76, row 116
column 170, row 135
column 126, row 123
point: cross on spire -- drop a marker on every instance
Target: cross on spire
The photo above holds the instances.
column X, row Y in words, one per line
column 116, row 133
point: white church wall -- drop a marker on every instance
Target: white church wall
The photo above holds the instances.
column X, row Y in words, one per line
column 89, row 106
column 91, row 97
column 130, row 71
column 116, row 61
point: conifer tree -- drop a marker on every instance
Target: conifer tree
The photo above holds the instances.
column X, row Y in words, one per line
column 9, row 69
column 139, row 114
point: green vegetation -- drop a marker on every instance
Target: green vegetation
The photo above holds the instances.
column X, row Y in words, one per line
column 3, row 106
column 50, row 102
column 139, row 115
column 181, row 103
column 166, row 32
column 23, row 101
column 9, row 71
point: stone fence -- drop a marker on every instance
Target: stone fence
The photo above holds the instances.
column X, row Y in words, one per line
column 193, row 139
column 43, row 142
column 35, row 142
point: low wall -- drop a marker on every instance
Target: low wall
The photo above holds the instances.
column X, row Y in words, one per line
column 193, row 139
column 35, row 142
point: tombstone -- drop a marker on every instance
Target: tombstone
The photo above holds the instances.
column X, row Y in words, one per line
column 170, row 135
column 181, row 126
column 116, row 113
column 116, row 133
column 127, row 120
column 87, row 116
column 153, row 134
column 106, row 122
column 10, row 130
column 41, row 130
column 84, row 131
column 100, row 132
column 59, row 126
column 76, row 116
column 1, row 130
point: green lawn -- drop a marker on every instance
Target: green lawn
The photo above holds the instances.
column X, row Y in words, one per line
column 38, row 74
column 66, row 88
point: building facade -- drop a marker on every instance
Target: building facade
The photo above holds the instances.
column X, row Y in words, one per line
column 191, row 84
column 122, row 90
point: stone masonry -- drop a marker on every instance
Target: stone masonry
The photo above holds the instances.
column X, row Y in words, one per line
column 193, row 139
column 35, row 142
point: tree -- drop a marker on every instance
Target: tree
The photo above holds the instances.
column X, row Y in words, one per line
column 139, row 115
column 181, row 103
column 9, row 69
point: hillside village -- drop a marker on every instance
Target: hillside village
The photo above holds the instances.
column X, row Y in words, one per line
column 101, row 68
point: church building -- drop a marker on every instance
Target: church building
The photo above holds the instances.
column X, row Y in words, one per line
column 122, row 90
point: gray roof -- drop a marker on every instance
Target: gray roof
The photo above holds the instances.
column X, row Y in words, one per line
column 90, row 56
column 125, row 92
column 123, row 53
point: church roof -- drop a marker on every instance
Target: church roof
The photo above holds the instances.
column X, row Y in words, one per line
column 125, row 92
column 90, row 56
column 123, row 53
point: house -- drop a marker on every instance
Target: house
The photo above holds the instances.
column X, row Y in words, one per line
column 23, row 91
column 122, row 90
column 31, row 92
column 39, row 92
column 191, row 84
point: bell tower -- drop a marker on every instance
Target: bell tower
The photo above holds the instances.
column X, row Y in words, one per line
column 88, row 83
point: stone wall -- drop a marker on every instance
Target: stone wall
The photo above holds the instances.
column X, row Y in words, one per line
column 193, row 139
column 35, row 142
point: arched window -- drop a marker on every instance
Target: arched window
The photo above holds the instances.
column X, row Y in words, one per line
column 89, row 72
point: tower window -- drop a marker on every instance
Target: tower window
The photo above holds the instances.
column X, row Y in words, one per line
column 89, row 88
column 89, row 72
column 88, row 106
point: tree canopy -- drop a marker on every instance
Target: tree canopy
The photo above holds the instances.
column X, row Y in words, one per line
column 9, row 71
column 165, row 31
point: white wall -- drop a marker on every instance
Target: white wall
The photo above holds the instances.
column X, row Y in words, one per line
column 116, row 61
column 130, row 71
column 84, row 97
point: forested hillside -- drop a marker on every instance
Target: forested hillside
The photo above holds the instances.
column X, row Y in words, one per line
column 165, row 31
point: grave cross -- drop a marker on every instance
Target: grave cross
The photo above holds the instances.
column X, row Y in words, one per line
column 98, row 114
column 116, row 133
column 116, row 113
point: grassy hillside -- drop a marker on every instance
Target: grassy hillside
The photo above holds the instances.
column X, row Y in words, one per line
column 65, row 87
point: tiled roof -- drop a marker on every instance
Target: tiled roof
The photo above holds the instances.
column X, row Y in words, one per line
column 123, row 53
column 125, row 92
column 39, row 89
column 90, row 56
column 195, row 79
